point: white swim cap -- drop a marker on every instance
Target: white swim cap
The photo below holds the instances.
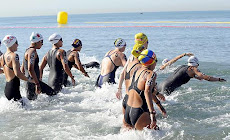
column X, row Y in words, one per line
column 193, row 61
column 9, row 40
column 165, row 61
column 35, row 37
column 119, row 43
column 54, row 38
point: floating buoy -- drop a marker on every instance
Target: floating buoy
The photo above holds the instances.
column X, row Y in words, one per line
column 62, row 17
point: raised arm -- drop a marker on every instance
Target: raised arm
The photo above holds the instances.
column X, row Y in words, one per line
column 201, row 76
column 42, row 65
column 174, row 60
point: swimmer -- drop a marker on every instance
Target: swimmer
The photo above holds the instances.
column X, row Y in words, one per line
column 92, row 64
column 167, row 62
column 58, row 63
column 139, row 112
column 112, row 60
column 11, row 67
column 183, row 74
column 74, row 59
column 31, row 69
column 141, row 43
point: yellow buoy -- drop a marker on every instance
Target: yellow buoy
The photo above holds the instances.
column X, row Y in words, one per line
column 62, row 17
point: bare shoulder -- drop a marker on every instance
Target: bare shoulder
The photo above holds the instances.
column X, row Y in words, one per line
column 122, row 55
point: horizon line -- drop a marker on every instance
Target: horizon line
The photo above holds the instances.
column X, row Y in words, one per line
column 112, row 13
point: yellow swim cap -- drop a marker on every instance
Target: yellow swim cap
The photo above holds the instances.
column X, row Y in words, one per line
column 147, row 57
column 141, row 38
column 137, row 49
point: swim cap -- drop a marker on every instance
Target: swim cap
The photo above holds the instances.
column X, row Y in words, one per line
column 35, row 37
column 193, row 61
column 9, row 40
column 54, row 38
column 141, row 38
column 76, row 43
column 137, row 49
column 165, row 61
column 147, row 57
column 119, row 43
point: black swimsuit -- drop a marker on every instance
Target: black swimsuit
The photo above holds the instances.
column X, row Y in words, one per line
column 133, row 114
column 30, row 87
column 110, row 77
column 12, row 88
column 127, row 77
column 70, row 64
column 55, row 80
column 178, row 78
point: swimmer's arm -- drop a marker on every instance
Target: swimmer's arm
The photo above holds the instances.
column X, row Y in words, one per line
column 121, row 80
column 206, row 77
column 148, row 97
column 75, row 66
column 22, row 68
column 123, row 59
column 31, row 60
column 174, row 60
column 159, row 105
column 42, row 65
column 16, row 67
column 64, row 62
column 79, row 65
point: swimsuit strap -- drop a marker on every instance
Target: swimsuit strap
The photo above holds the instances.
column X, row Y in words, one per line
column 127, row 75
column 5, row 62
column 109, row 56
column 134, row 83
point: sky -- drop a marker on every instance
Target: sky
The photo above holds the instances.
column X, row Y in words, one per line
column 15, row 8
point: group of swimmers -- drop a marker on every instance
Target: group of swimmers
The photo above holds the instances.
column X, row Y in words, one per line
column 140, row 80
column 139, row 74
column 59, row 62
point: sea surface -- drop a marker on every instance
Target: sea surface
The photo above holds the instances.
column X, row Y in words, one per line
column 197, row 110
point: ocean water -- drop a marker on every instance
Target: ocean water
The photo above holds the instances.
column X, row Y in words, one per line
column 197, row 110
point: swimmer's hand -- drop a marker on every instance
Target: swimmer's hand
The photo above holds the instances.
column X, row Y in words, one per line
column 161, row 97
column 38, row 89
column 86, row 74
column 163, row 111
column 222, row 80
column 73, row 81
column 153, row 124
column 119, row 94
column 31, row 80
column 189, row 54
